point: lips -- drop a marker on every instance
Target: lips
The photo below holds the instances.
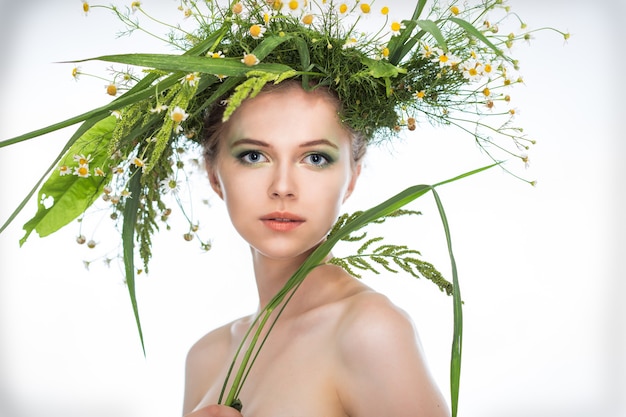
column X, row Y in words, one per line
column 282, row 221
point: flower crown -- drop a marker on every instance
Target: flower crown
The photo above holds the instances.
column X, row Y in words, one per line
column 447, row 64
column 452, row 67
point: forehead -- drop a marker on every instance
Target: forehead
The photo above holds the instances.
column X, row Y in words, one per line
column 287, row 111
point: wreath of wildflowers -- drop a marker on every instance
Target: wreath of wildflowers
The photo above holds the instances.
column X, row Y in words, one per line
column 447, row 64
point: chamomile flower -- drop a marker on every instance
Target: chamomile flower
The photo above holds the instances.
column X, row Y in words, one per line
column 64, row 170
column 82, row 159
column 217, row 54
column 472, row 70
column 82, row 171
column 138, row 162
column 445, row 59
column 384, row 11
column 426, row 51
column 293, row 5
column 85, row 7
column 420, row 95
column 250, row 59
column 487, row 69
column 98, row 172
column 257, row 31
column 117, row 114
column 159, row 108
column 365, row 9
column 307, row 19
column 350, row 43
column 135, row 6
column 170, row 185
column 396, row 27
column 343, row 8
column 76, row 73
column 111, row 89
column 179, row 115
column 191, row 79
column 237, row 8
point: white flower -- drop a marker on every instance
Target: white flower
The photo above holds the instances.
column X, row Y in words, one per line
column 170, row 185
column 179, row 115
column 158, row 108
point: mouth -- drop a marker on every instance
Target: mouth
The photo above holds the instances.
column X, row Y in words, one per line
column 282, row 222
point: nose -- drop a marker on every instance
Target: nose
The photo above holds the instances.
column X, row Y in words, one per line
column 283, row 184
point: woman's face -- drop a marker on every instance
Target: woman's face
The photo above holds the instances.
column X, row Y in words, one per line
column 284, row 168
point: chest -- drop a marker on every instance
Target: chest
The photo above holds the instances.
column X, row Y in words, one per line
column 293, row 375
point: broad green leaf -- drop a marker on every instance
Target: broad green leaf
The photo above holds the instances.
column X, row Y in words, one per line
column 379, row 68
column 62, row 198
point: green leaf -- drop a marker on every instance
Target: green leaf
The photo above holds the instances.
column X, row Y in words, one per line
column 185, row 63
column 71, row 195
column 457, row 302
column 471, row 30
column 432, row 28
column 128, row 244
column 379, row 68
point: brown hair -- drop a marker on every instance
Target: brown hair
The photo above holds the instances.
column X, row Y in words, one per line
column 214, row 126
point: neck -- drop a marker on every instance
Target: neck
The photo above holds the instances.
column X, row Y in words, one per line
column 272, row 274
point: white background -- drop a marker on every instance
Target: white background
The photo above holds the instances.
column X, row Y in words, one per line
column 541, row 270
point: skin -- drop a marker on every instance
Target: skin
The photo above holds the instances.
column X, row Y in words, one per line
column 339, row 348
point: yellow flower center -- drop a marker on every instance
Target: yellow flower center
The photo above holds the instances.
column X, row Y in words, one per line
column 277, row 5
column 454, row 10
column 83, row 171
column 395, row 26
column 75, row 72
column 85, row 7
column 266, row 18
column 365, row 8
column 255, row 30
column 308, row 19
column 237, row 8
column 83, row 161
column 177, row 117
column 472, row 72
column 443, row 58
column 421, row 94
column 385, row 52
column 250, row 60
column 384, row 11
column 343, row 8
column 111, row 89
column 487, row 92
column 487, row 68
column 293, row 4
column 138, row 162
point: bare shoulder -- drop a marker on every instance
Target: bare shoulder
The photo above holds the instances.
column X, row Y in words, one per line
column 382, row 367
column 204, row 361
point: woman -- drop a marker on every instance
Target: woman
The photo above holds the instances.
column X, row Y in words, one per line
column 284, row 164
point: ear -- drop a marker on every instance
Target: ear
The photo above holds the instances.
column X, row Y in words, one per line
column 355, row 176
column 215, row 182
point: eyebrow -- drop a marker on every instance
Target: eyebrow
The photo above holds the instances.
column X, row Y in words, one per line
column 247, row 141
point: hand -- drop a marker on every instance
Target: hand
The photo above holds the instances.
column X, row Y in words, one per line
column 215, row 411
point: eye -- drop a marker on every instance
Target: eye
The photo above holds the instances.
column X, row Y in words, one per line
column 317, row 159
column 252, row 157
